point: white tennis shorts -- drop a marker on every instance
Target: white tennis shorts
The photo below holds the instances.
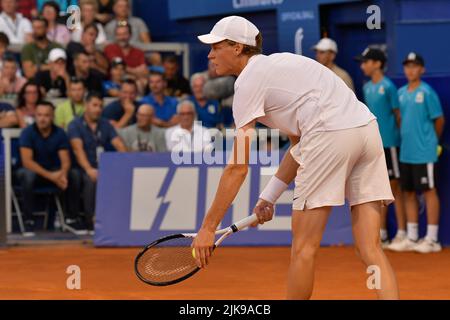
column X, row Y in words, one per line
column 338, row 165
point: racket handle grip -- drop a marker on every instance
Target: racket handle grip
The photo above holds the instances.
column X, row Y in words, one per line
column 244, row 223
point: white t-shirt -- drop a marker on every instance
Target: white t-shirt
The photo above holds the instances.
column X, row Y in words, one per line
column 197, row 140
column 296, row 95
column 15, row 29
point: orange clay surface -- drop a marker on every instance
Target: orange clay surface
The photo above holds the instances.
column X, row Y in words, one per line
column 39, row 272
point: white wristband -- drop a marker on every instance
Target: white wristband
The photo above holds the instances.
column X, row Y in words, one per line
column 273, row 190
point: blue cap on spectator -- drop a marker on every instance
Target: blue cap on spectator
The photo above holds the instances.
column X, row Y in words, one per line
column 158, row 69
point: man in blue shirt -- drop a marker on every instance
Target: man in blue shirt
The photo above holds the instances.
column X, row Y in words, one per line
column 421, row 127
column 90, row 135
column 380, row 95
column 122, row 112
column 207, row 110
column 44, row 150
column 165, row 106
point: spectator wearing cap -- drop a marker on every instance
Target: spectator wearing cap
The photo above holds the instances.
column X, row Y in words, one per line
column 134, row 58
column 14, row 24
column 29, row 97
column 188, row 135
column 165, row 106
column 56, row 32
column 44, row 151
column 422, row 124
column 177, row 85
column 208, row 112
column 138, row 29
column 380, row 95
column 97, row 59
column 55, row 80
column 35, row 54
column 122, row 112
column 10, row 80
column 88, row 12
column 90, row 135
column 73, row 107
column 111, row 87
column 8, row 117
column 143, row 136
column 326, row 51
column 93, row 79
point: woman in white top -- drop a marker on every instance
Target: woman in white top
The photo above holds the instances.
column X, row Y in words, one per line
column 336, row 152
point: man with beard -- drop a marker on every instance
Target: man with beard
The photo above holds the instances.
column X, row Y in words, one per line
column 92, row 79
column 34, row 55
column 134, row 58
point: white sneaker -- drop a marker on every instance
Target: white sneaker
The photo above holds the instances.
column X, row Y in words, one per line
column 398, row 238
column 385, row 243
column 402, row 245
column 427, row 246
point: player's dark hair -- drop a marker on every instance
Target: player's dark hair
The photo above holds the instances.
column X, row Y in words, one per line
column 4, row 39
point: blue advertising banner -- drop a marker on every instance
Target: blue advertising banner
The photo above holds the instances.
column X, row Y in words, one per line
column 144, row 196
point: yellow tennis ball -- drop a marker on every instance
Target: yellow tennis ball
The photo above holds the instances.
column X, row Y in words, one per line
column 193, row 252
column 439, row 150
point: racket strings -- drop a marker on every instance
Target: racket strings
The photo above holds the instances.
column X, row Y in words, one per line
column 167, row 261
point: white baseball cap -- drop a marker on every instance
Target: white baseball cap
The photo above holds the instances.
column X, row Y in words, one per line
column 233, row 28
column 56, row 54
column 326, row 44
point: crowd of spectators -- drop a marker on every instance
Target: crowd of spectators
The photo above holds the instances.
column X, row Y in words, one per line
column 79, row 90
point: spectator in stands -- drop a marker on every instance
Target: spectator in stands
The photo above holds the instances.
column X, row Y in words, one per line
column 10, row 80
column 220, row 88
column 90, row 135
column 165, row 106
column 134, row 58
column 142, row 136
column 93, row 79
column 122, row 112
column 35, row 54
column 27, row 8
column 105, row 11
column 380, row 95
column 27, row 101
column 188, row 136
column 44, row 151
column 326, row 50
column 422, row 124
column 4, row 44
column 87, row 45
column 88, row 12
column 140, row 32
column 177, row 85
column 63, row 4
column 8, row 117
column 207, row 110
column 13, row 24
column 56, row 32
column 111, row 87
column 73, row 107
column 55, row 80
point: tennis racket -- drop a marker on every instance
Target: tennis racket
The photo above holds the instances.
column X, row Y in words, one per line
column 169, row 260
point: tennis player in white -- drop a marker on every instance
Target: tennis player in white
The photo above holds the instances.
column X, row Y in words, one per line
column 336, row 152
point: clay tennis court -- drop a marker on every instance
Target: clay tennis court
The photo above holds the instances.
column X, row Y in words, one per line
column 39, row 272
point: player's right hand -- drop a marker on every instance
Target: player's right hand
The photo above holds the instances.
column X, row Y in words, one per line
column 264, row 211
column 203, row 245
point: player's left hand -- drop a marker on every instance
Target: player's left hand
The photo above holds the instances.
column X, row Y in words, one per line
column 203, row 245
column 264, row 211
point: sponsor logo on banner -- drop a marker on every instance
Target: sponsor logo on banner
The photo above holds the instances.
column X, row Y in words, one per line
column 239, row 4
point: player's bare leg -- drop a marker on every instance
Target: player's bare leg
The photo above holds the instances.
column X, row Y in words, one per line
column 366, row 226
column 432, row 204
column 307, row 230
